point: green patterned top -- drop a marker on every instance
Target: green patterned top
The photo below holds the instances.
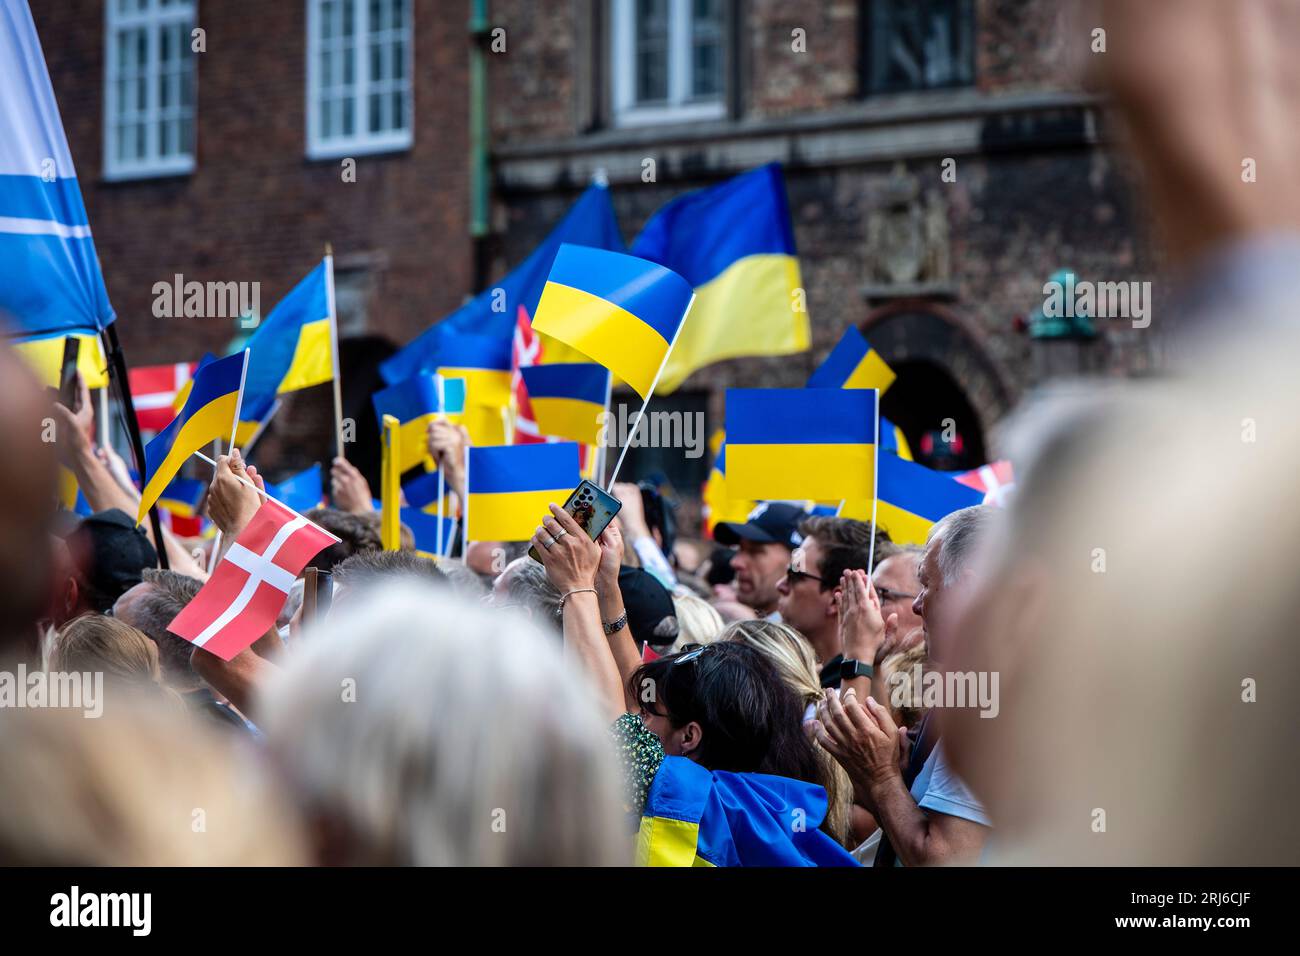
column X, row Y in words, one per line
column 639, row 755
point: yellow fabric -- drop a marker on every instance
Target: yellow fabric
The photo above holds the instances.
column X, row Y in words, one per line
column 483, row 386
column 313, row 361
column 45, row 356
column 510, row 516
column 568, row 418
column 872, row 372
column 664, row 842
column 750, row 309
column 67, row 488
column 390, row 524
column 795, row 472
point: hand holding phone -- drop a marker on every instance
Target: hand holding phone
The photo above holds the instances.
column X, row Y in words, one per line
column 68, row 392
column 591, row 508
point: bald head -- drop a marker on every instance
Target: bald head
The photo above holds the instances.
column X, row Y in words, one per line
column 28, row 479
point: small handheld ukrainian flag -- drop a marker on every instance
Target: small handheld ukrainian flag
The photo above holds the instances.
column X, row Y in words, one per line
column 618, row 310
column 912, row 498
column 482, row 361
column 796, row 444
column 182, row 497
column 719, row 505
column 567, row 399
column 509, row 487
column 415, row 403
column 208, row 414
column 428, row 530
column 853, row 363
column 301, row 492
column 293, row 346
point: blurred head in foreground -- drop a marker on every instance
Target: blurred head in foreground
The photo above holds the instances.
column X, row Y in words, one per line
column 420, row 728
column 135, row 787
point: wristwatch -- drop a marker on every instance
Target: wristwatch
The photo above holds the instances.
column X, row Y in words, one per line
column 851, row 668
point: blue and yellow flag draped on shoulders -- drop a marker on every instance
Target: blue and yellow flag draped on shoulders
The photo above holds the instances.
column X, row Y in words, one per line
column 735, row 244
column 699, row 817
column 208, row 414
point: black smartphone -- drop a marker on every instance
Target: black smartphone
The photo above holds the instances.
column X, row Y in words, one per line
column 591, row 507
column 68, row 373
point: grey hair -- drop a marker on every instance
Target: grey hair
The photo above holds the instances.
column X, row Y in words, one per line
column 435, row 731
column 962, row 531
column 528, row 585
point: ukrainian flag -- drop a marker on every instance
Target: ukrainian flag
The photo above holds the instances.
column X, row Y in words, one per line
column 483, row 361
column 415, row 403
column 421, row 492
column 183, row 496
column 853, row 363
column 796, row 444
column 45, row 357
column 208, row 414
column 734, row 243
column 912, row 498
column 568, row 399
column 893, row 441
column 510, row 486
column 718, row 503
column 424, row 529
column 293, row 346
column 694, row 816
column 617, row 310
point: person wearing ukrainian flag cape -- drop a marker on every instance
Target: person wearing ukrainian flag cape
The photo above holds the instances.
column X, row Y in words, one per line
column 717, row 765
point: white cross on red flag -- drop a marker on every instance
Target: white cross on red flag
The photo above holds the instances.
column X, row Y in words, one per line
column 153, row 392
column 242, row 599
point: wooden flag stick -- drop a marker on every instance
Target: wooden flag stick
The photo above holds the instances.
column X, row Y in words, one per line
column 646, row 401
column 334, row 351
column 875, row 478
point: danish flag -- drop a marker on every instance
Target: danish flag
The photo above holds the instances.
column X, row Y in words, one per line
column 996, row 480
column 242, row 599
column 153, row 392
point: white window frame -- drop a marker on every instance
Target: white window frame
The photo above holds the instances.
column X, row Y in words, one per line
column 680, row 107
column 362, row 142
column 152, row 165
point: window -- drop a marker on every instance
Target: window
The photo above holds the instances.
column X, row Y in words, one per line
column 148, row 88
column 358, row 77
column 666, row 60
column 917, row 45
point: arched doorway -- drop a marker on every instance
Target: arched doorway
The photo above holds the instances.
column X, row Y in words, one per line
column 949, row 392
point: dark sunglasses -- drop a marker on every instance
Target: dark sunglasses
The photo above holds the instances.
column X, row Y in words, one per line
column 793, row 577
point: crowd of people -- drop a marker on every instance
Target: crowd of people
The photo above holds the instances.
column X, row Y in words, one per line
column 756, row 699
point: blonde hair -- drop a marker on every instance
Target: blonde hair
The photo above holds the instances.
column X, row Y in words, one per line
column 697, row 620
column 432, row 730
column 136, row 787
column 792, row 656
column 93, row 642
column 897, row 671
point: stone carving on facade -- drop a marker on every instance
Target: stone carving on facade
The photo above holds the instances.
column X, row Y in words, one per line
column 908, row 246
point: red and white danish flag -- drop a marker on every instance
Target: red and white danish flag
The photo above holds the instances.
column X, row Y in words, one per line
column 246, row 592
column 526, row 350
column 153, row 392
column 996, row 480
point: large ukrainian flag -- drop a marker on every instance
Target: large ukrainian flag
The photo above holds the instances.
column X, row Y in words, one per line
column 415, row 403
column 719, row 505
column 734, row 243
column 45, row 357
column 510, row 486
column 292, row 347
column 207, row 415
column 912, row 498
column 617, row 310
column 567, row 399
column 853, row 363
column 800, row 443
column 694, row 816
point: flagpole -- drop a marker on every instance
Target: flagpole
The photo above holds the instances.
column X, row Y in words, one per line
column 216, row 446
column 117, row 371
column 600, row 445
column 464, row 513
column 875, row 478
column 262, row 426
column 103, row 418
column 646, row 401
column 442, row 472
column 334, row 351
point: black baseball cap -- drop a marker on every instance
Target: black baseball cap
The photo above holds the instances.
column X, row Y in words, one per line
column 651, row 616
column 772, row 522
column 110, row 553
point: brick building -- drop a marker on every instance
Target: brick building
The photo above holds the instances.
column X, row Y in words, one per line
column 227, row 165
column 862, row 101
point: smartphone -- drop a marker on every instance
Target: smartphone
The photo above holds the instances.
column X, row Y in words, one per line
column 591, row 508
column 68, row 373
column 317, row 590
